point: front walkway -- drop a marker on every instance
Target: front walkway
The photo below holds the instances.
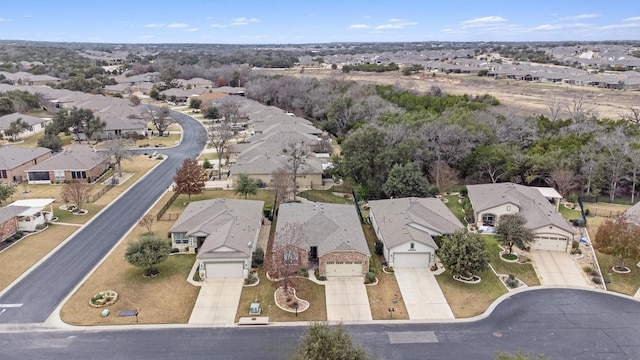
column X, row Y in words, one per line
column 217, row 302
column 347, row 299
column 557, row 268
column 422, row 294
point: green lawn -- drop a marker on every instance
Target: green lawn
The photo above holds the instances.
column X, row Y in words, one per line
column 455, row 207
column 467, row 300
column 622, row 283
column 325, row 196
column 570, row 213
column 523, row 272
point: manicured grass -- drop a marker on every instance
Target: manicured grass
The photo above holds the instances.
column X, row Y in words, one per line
column 263, row 293
column 455, row 207
column 29, row 250
column 467, row 300
column 164, row 141
column 381, row 295
column 523, row 272
column 178, row 205
column 325, row 196
column 622, row 283
column 570, row 213
column 32, row 141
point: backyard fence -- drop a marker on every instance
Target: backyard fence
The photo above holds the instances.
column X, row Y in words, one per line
column 166, row 206
column 93, row 198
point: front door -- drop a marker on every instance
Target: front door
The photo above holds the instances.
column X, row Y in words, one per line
column 200, row 241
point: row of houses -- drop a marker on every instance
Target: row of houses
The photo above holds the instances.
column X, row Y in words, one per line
column 224, row 232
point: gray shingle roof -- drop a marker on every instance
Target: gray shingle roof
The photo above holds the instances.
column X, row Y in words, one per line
column 401, row 220
column 535, row 208
column 225, row 222
column 9, row 212
column 5, row 121
column 78, row 158
column 330, row 227
column 12, row 157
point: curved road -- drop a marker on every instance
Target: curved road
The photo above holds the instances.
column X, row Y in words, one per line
column 59, row 274
column 560, row 323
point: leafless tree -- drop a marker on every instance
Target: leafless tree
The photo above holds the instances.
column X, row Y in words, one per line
column 563, row 179
column 289, row 249
column 296, row 155
column 635, row 167
column 219, row 136
column 160, row 117
column 283, row 184
column 135, row 100
column 444, row 176
column 556, row 106
column 76, row 192
column 616, row 151
column 632, row 116
column 578, row 109
column 230, row 110
column 119, row 149
column 147, row 223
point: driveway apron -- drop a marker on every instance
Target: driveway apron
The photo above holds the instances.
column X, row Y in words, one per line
column 347, row 299
column 217, row 302
column 422, row 294
column 557, row 268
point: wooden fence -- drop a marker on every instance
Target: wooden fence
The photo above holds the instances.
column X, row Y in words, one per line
column 93, row 198
column 166, row 206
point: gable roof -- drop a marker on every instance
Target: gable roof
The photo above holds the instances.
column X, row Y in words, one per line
column 78, row 158
column 9, row 212
column 405, row 219
column 11, row 157
column 533, row 205
column 633, row 214
column 330, row 227
column 6, row 120
column 225, row 223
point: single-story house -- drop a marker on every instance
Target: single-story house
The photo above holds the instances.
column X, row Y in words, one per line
column 14, row 162
column 491, row 201
column 330, row 236
column 223, row 233
column 31, row 214
column 9, row 221
column 406, row 227
column 80, row 162
column 36, row 124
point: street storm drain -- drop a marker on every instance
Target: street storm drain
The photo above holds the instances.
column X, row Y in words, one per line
column 412, row 337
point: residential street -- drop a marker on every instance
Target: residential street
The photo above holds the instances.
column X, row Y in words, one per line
column 35, row 297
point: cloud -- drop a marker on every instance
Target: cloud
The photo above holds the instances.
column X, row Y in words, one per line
column 580, row 17
column 243, row 21
column 178, row 25
column 148, row 37
column 191, row 29
column 636, row 18
column 154, row 25
column 484, row 21
column 546, row 27
column 366, row 16
column 388, row 26
column 395, row 24
column 218, row 26
column 359, row 26
column 619, row 26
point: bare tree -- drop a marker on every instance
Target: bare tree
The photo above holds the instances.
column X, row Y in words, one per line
column 287, row 255
column 563, row 179
column 577, row 108
column 444, row 176
column 219, row 136
column 76, row 192
column 160, row 117
column 556, row 106
column 283, row 184
column 635, row 167
column 230, row 110
column 633, row 115
column 119, row 149
column 296, row 155
column 147, row 222
column 616, row 151
column 135, row 100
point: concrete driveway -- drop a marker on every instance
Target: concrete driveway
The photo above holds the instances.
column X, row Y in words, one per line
column 557, row 268
column 422, row 295
column 217, row 302
column 347, row 299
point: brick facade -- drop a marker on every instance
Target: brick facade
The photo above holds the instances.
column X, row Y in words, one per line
column 8, row 228
column 18, row 174
column 343, row 256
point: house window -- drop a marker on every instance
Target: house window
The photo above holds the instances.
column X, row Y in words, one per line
column 180, row 238
column 3, row 174
column 488, row 219
column 412, row 247
column 508, row 207
column 58, row 175
column 78, row 175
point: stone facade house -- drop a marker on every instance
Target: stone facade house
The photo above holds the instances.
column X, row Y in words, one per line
column 80, row 162
column 14, row 162
column 330, row 237
column 8, row 221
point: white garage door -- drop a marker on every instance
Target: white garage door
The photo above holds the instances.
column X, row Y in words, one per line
column 411, row 260
column 344, row 269
column 219, row 270
column 549, row 243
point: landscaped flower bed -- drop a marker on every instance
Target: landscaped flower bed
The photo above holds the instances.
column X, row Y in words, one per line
column 287, row 300
column 104, row 298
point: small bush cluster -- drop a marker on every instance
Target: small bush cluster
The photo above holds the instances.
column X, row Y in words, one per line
column 175, row 250
column 596, row 280
column 512, row 282
column 370, row 277
column 317, row 274
column 251, row 279
column 304, row 272
column 257, row 258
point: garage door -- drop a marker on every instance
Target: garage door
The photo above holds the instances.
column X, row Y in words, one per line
column 411, row 260
column 549, row 243
column 344, row 269
column 219, row 270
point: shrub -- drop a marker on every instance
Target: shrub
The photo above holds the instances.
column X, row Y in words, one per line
column 379, row 248
column 587, row 269
column 596, row 280
column 594, row 272
column 251, row 279
column 371, row 276
column 257, row 258
column 587, row 212
column 8, row 240
column 196, row 276
column 512, row 282
column 175, row 250
column 304, row 272
column 207, row 164
column 509, row 256
column 576, row 251
column 575, row 244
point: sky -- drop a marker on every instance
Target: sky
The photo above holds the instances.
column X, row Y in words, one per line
column 317, row 21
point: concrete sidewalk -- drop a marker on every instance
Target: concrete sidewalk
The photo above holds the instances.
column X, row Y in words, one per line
column 422, row 294
column 217, row 302
column 557, row 268
column 347, row 299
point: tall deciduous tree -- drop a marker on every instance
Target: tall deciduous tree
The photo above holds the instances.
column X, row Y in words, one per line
column 50, row 140
column 148, row 252
column 160, row 117
column 406, row 180
column 230, row 110
column 119, row 149
column 190, row 178
column 76, row 192
column 6, row 191
column 444, row 176
column 77, row 120
column 564, row 180
column 219, row 136
column 512, row 230
column 324, row 342
column 16, row 128
column 288, row 247
column 618, row 238
column 464, row 254
column 6, row 106
column 283, row 184
column 245, row 185
column 296, row 155
column 92, row 125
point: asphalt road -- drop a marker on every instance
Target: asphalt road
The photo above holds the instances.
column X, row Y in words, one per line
column 559, row 323
column 46, row 286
